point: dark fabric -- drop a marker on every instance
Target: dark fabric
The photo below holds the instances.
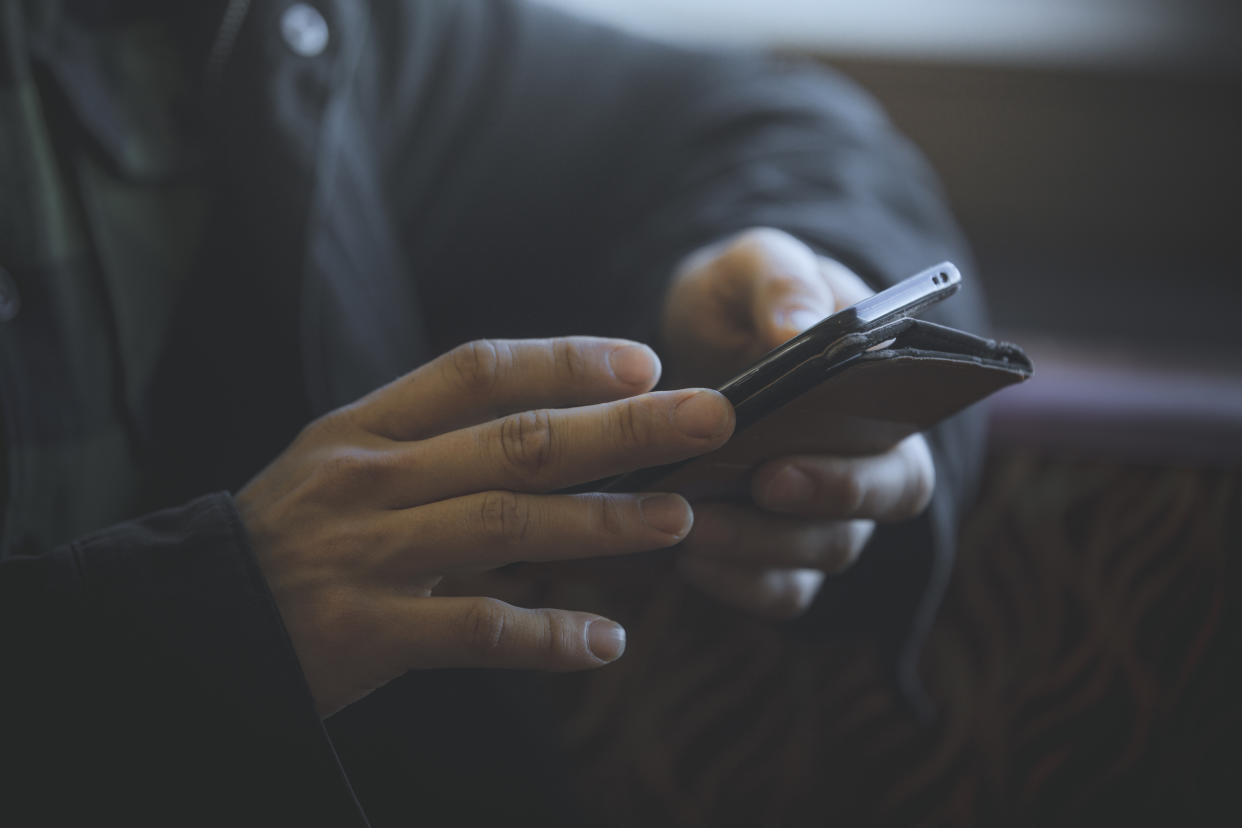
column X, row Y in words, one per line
column 1086, row 665
column 215, row 239
column 148, row 678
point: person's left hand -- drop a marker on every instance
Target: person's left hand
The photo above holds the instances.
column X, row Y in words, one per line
column 810, row 515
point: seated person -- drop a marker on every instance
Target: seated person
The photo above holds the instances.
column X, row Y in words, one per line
column 293, row 298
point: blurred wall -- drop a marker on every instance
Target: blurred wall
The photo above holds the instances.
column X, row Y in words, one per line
column 1091, row 148
column 1111, row 32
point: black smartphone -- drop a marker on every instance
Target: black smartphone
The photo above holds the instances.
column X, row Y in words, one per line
column 906, row 298
column 857, row 382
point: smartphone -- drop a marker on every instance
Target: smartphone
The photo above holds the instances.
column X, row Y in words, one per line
column 906, row 298
column 857, row 382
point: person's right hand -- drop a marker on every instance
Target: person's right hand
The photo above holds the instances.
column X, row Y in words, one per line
column 447, row 469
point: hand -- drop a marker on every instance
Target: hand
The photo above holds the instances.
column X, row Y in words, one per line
column 355, row 523
column 811, row 515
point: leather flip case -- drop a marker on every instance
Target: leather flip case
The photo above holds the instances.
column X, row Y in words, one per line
column 861, row 395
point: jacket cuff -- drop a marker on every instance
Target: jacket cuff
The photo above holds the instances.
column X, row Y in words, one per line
column 207, row 670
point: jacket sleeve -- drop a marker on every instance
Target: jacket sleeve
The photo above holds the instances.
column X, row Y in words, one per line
column 147, row 673
column 553, row 172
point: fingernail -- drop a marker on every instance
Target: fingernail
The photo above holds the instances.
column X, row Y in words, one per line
column 788, row 487
column 605, row 639
column 633, row 364
column 668, row 513
column 702, row 414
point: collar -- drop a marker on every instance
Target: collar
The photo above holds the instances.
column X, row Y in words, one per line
column 131, row 74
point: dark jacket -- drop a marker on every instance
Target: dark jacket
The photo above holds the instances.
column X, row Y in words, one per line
column 210, row 256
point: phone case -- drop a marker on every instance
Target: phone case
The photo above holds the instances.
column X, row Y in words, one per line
column 861, row 395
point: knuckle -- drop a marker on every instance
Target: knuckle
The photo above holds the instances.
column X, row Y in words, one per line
column 559, row 637
column 315, row 427
column 748, row 252
column 526, row 441
column 505, row 517
column 325, row 427
column 607, row 516
column 757, row 243
column 631, row 422
column 477, row 364
column 485, row 626
column 571, row 362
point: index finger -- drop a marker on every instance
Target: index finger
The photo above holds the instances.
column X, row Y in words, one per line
column 488, row 378
column 550, row 449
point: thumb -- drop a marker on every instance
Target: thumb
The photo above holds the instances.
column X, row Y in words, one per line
column 486, row 632
column 789, row 294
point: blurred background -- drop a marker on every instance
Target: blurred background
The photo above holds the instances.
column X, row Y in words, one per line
column 1087, row 662
column 1092, row 150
